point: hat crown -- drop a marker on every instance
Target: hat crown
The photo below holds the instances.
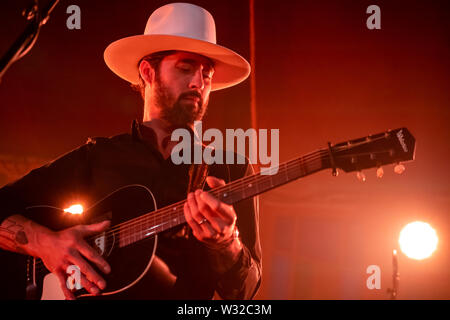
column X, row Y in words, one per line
column 184, row 20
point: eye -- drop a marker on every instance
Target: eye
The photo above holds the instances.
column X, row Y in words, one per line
column 185, row 67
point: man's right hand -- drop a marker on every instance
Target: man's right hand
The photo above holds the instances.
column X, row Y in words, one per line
column 68, row 247
column 58, row 250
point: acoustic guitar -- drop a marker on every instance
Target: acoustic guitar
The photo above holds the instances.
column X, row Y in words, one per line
column 136, row 221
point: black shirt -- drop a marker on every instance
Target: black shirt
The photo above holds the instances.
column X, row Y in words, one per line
column 103, row 165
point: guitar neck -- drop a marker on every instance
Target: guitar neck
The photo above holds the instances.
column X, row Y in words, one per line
column 171, row 216
column 258, row 183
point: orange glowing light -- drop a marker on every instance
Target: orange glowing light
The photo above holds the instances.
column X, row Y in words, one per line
column 418, row 240
column 75, row 209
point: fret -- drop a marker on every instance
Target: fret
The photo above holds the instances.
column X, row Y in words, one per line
column 315, row 166
column 271, row 181
column 172, row 215
column 278, row 179
column 286, row 171
column 147, row 225
column 177, row 219
column 301, row 168
column 138, row 231
column 158, row 223
column 264, row 183
column 294, row 169
column 247, row 189
column 122, row 239
column 162, row 224
column 255, row 182
column 225, row 196
column 235, row 197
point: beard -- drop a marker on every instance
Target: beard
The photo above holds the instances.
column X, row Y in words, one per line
column 176, row 110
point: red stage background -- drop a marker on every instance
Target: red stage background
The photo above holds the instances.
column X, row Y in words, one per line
column 321, row 76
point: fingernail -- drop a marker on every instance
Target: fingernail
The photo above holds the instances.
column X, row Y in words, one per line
column 101, row 284
column 107, row 269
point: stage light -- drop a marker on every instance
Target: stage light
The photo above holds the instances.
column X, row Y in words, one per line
column 75, row 209
column 418, row 240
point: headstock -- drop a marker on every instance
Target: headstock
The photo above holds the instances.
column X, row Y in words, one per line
column 393, row 146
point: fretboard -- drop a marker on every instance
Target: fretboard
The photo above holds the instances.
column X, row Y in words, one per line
column 249, row 186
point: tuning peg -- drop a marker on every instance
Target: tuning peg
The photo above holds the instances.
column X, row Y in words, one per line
column 361, row 176
column 380, row 172
column 399, row 168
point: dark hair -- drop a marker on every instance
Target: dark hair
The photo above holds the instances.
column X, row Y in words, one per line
column 154, row 60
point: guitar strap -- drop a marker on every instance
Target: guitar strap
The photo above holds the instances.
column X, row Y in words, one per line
column 197, row 179
column 197, row 176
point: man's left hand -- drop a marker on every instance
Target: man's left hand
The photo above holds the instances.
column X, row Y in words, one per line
column 213, row 222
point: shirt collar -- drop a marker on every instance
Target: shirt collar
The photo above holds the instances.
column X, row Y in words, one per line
column 145, row 132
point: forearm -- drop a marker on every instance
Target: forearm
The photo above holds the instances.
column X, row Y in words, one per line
column 224, row 259
column 21, row 235
column 242, row 280
column 239, row 274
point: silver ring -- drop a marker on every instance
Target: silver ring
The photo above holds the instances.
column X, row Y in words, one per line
column 203, row 221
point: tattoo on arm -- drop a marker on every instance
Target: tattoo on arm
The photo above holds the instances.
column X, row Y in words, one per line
column 14, row 231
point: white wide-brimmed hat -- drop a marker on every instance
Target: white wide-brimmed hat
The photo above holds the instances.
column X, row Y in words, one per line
column 183, row 27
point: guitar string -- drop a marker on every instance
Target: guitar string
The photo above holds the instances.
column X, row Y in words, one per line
column 245, row 180
column 127, row 235
column 172, row 212
column 169, row 209
column 236, row 185
column 285, row 166
column 123, row 235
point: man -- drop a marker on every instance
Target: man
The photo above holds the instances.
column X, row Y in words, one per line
column 176, row 63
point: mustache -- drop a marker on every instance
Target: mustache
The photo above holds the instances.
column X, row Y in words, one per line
column 191, row 94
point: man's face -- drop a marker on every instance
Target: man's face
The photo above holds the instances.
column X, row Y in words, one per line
column 182, row 86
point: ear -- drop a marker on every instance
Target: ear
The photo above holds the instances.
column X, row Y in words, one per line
column 147, row 72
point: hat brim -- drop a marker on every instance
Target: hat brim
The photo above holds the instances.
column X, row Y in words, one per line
column 123, row 56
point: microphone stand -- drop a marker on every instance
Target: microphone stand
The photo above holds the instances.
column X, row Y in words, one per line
column 27, row 39
column 395, row 276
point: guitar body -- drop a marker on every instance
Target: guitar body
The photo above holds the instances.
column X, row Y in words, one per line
column 129, row 263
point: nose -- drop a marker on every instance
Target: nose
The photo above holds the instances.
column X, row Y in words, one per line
column 197, row 81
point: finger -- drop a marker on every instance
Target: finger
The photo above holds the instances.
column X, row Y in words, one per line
column 217, row 223
column 224, row 210
column 95, row 228
column 92, row 255
column 85, row 283
column 88, row 271
column 61, row 275
column 201, row 231
column 195, row 213
column 214, row 182
column 89, row 286
column 209, row 232
column 196, row 229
